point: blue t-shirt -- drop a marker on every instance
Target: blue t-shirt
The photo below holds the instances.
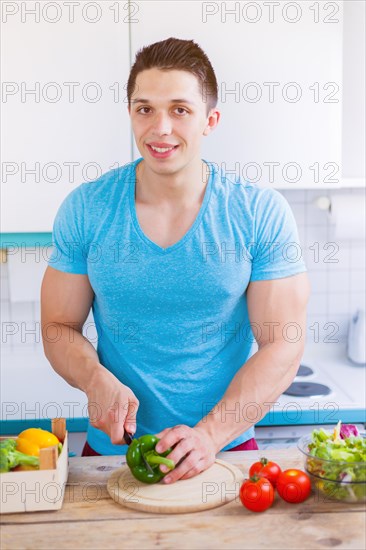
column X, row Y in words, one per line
column 172, row 322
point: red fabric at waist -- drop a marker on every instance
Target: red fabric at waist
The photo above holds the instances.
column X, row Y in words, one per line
column 88, row 451
column 250, row 445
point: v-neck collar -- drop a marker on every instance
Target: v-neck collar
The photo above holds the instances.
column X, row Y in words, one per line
column 190, row 231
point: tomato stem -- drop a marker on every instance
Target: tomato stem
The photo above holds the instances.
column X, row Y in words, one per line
column 255, row 478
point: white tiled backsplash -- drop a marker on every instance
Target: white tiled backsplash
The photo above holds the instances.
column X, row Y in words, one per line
column 336, row 271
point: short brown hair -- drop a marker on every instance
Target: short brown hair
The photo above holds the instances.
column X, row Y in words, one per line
column 176, row 54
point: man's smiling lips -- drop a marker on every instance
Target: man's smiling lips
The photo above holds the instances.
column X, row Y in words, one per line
column 161, row 150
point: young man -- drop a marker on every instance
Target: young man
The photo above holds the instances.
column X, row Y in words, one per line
column 181, row 266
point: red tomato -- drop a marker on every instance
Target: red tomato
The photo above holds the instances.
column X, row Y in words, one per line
column 256, row 494
column 267, row 469
column 293, row 485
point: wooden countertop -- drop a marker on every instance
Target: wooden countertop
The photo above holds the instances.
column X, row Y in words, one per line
column 90, row 519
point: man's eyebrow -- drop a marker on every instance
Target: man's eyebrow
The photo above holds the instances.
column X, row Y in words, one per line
column 141, row 100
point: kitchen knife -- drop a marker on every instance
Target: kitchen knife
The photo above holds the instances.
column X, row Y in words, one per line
column 128, row 439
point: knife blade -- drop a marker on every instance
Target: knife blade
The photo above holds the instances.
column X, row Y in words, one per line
column 128, row 439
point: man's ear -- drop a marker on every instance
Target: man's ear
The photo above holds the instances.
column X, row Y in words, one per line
column 212, row 122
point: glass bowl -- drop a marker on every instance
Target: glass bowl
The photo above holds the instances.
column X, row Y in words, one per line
column 332, row 479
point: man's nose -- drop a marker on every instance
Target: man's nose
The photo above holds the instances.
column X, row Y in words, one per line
column 162, row 124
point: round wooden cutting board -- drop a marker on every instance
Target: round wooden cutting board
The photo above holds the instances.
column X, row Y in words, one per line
column 214, row 487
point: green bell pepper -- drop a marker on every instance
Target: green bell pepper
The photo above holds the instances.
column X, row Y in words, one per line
column 145, row 445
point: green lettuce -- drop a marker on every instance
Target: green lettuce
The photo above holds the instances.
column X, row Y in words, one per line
column 338, row 459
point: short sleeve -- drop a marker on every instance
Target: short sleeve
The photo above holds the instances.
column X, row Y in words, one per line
column 69, row 252
column 276, row 250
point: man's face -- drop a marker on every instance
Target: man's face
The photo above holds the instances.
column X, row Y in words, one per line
column 169, row 113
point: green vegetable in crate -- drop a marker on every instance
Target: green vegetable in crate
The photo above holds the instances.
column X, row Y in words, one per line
column 144, row 447
column 10, row 457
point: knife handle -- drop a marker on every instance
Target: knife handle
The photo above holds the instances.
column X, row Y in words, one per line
column 127, row 437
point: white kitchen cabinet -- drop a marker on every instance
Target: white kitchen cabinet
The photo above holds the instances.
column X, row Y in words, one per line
column 64, row 112
column 354, row 116
column 64, row 116
column 279, row 69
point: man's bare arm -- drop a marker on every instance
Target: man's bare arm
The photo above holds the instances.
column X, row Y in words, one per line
column 66, row 300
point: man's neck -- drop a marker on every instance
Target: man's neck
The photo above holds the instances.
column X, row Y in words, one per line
column 181, row 190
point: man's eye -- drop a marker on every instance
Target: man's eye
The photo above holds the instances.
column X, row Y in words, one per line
column 142, row 108
column 181, row 110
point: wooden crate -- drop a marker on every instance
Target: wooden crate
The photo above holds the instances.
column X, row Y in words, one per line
column 43, row 489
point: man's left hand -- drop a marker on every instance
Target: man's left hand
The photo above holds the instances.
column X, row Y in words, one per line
column 193, row 451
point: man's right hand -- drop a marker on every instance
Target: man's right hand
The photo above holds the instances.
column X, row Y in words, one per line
column 112, row 406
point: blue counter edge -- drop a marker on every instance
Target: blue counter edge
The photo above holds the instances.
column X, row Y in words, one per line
column 272, row 419
column 14, row 427
column 11, row 240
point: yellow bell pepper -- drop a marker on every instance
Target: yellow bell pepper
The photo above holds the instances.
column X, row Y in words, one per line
column 30, row 441
column 27, row 447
